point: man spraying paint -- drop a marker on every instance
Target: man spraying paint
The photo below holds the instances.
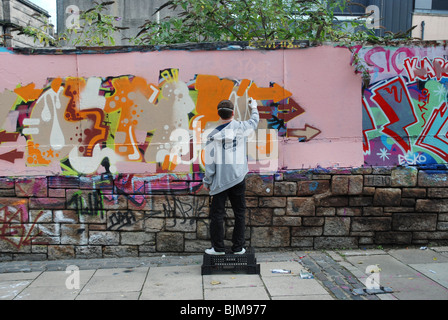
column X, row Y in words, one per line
column 225, row 172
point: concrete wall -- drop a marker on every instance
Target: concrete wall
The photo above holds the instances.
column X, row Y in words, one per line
column 133, row 14
column 91, row 166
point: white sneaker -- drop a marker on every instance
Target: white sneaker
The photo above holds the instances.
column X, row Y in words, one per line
column 243, row 251
column 212, row 251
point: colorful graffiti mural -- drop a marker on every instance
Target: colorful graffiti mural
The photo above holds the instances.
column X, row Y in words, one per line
column 404, row 108
column 98, row 125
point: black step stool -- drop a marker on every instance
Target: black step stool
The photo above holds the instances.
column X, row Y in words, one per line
column 229, row 262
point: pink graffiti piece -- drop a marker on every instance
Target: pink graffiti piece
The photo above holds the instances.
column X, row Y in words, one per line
column 424, row 69
column 15, row 233
column 375, row 56
column 394, row 99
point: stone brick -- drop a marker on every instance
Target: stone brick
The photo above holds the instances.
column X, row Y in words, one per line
column 442, row 226
column 104, row 238
column 348, row 212
column 48, row 230
column 371, row 224
column 376, row 181
column 63, row 182
column 76, row 234
column 114, row 202
column 202, row 230
column 302, row 242
column 414, row 222
column 47, row 203
column 129, row 184
column 306, row 231
column 40, row 216
column 333, row 201
column 437, row 193
column 313, row 221
column 325, row 211
column 137, row 238
column 88, row 252
column 373, row 211
column 432, row 205
column 387, row 197
column 180, row 225
column 287, row 221
column 260, row 216
column 336, row 226
column 433, row 178
column 413, row 193
column 285, row 188
column 154, row 224
column 352, row 185
column 61, row 252
column 120, row 251
column 125, row 220
column 308, row 188
column 433, row 235
column 360, row 201
column 297, row 175
column 31, row 187
column 391, row 237
column 170, row 242
column 298, row 206
column 270, row 237
column 257, row 185
column 404, row 177
column 7, row 183
column 335, row 242
column 56, row 193
column 272, row 202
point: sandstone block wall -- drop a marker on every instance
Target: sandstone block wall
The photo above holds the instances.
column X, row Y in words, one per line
column 125, row 215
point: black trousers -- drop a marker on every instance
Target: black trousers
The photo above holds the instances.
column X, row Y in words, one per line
column 236, row 195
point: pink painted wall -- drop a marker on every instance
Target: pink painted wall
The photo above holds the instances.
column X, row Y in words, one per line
column 320, row 80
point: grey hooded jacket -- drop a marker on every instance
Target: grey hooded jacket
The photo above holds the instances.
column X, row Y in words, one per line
column 225, row 154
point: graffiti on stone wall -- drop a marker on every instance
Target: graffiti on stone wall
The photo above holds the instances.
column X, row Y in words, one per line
column 109, row 125
column 15, row 228
column 404, row 107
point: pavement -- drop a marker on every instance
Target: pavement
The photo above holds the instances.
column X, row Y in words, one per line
column 410, row 274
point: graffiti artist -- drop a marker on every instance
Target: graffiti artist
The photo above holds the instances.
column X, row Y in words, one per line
column 225, row 172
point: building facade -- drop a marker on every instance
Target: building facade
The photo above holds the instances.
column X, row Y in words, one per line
column 19, row 13
column 429, row 17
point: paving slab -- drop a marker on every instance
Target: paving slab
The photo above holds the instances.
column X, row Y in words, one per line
column 407, row 283
column 173, row 283
column 236, row 293
column 437, row 272
column 51, row 285
column 10, row 289
column 418, row 256
column 116, row 280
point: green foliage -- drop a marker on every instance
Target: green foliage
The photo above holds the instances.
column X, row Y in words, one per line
column 95, row 28
column 40, row 34
column 244, row 20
